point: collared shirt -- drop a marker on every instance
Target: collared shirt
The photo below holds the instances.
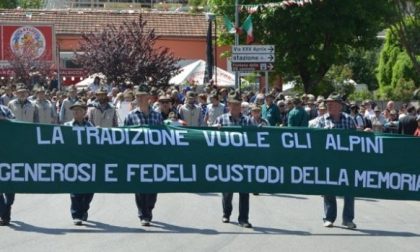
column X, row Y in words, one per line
column 191, row 114
column 345, row 122
column 213, row 112
column 137, row 117
column 6, row 113
column 228, row 120
column 103, row 116
column 46, row 111
column 298, row 117
column 84, row 123
column 271, row 114
column 24, row 111
column 65, row 112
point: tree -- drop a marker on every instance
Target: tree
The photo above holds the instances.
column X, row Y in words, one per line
column 395, row 64
column 8, row 4
column 310, row 39
column 407, row 29
column 363, row 64
column 127, row 53
column 26, row 4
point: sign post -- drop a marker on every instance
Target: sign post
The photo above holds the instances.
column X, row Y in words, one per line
column 253, row 58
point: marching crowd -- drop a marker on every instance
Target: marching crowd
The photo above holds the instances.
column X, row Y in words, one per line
column 102, row 105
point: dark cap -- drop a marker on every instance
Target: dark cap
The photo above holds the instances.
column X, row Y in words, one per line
column 191, row 95
column 21, row 88
column 296, row 100
column 334, row 97
column 79, row 104
column 142, row 89
column 354, row 105
column 164, row 98
column 234, row 97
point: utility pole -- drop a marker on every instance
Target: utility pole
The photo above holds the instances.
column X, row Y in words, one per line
column 237, row 75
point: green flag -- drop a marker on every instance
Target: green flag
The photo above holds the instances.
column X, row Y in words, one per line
column 247, row 27
column 230, row 27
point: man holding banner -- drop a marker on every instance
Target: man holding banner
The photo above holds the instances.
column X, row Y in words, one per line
column 80, row 202
column 336, row 119
column 235, row 118
column 143, row 114
column 6, row 199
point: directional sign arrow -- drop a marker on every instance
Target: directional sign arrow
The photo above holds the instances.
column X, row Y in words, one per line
column 258, row 49
column 252, row 67
column 253, row 57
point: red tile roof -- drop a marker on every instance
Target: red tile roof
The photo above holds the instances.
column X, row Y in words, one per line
column 76, row 22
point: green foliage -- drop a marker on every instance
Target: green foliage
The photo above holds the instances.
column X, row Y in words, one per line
column 335, row 80
column 361, row 96
column 395, row 66
column 8, row 4
column 363, row 65
column 387, row 59
column 26, row 4
column 312, row 38
column 30, row 4
column 403, row 91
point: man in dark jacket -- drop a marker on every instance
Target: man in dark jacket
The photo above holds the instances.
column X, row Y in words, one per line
column 408, row 124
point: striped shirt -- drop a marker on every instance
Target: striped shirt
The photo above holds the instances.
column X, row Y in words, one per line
column 137, row 117
column 228, row 120
column 345, row 122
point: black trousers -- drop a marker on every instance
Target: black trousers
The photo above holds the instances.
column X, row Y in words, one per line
column 80, row 203
column 243, row 206
column 145, row 203
column 6, row 202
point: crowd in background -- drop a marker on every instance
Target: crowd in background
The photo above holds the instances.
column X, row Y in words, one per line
column 200, row 106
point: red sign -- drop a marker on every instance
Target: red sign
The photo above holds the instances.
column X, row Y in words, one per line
column 40, row 39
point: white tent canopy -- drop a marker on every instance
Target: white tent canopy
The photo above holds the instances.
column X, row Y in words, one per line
column 85, row 83
column 194, row 73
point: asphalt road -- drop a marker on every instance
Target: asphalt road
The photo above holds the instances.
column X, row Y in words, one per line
column 192, row 222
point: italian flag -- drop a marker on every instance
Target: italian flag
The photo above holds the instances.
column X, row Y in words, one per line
column 230, row 27
column 247, row 27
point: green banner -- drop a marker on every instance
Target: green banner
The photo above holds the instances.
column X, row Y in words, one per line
column 37, row 158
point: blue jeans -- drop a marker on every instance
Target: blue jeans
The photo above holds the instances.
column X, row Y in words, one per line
column 6, row 202
column 330, row 208
column 243, row 206
column 80, row 203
